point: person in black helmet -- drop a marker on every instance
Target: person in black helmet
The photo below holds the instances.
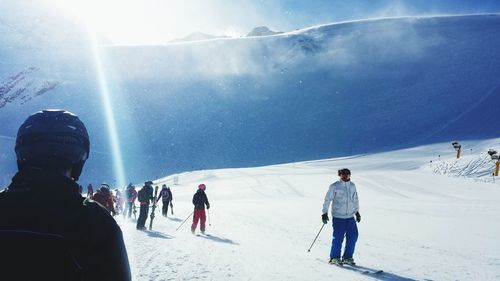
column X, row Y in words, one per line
column 144, row 196
column 48, row 231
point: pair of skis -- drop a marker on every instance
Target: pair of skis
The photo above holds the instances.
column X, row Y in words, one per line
column 360, row 269
column 357, row 268
column 152, row 217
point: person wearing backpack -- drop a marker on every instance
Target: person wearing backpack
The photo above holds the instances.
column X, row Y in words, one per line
column 131, row 195
column 166, row 196
column 199, row 201
column 144, row 196
column 49, row 231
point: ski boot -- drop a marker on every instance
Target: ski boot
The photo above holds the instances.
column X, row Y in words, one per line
column 348, row 261
column 335, row 261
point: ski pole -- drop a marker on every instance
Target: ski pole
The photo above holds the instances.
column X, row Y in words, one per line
column 208, row 210
column 316, row 237
column 184, row 221
column 134, row 211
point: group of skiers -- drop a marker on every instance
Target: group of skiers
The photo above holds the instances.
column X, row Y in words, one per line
column 146, row 197
column 124, row 202
column 117, row 202
column 47, row 225
column 114, row 202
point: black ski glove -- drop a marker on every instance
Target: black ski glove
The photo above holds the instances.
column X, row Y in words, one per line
column 208, row 206
column 358, row 217
column 324, row 218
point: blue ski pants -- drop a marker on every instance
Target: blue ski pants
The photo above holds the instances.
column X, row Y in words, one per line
column 344, row 228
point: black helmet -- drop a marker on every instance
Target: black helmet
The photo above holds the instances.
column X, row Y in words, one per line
column 51, row 138
column 104, row 187
column 344, row 171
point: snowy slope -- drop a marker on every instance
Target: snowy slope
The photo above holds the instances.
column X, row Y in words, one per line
column 326, row 91
column 416, row 225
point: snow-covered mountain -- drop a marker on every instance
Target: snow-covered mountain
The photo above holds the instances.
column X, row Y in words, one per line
column 415, row 225
column 330, row 90
column 17, row 87
column 197, row 36
column 262, row 31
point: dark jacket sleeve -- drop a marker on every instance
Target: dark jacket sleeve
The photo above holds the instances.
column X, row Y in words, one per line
column 206, row 201
column 106, row 248
column 170, row 193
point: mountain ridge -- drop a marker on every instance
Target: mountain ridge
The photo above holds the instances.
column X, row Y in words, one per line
column 327, row 91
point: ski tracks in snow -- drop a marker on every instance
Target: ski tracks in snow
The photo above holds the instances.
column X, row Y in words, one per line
column 164, row 254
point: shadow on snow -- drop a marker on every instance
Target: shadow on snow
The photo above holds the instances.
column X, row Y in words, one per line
column 385, row 276
column 218, row 239
column 157, row 234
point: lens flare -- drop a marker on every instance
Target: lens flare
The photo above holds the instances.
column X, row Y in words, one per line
column 108, row 109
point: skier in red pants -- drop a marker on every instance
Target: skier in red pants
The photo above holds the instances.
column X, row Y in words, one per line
column 199, row 201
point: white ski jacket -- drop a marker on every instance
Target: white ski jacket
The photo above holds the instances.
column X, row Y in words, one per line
column 344, row 197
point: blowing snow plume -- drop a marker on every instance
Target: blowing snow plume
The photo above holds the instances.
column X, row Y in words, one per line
column 331, row 90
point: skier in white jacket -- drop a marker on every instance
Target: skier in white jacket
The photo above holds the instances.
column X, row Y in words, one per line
column 345, row 206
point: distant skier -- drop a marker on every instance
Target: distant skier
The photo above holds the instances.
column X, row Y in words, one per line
column 119, row 201
column 166, row 196
column 104, row 197
column 145, row 196
column 130, row 195
column 199, row 201
column 90, row 191
column 345, row 206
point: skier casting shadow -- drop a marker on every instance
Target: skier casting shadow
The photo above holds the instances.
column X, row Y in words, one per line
column 144, row 196
column 166, row 198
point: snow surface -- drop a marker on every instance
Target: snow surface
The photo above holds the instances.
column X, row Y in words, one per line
column 416, row 224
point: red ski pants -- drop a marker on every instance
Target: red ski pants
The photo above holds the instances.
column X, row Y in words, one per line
column 199, row 215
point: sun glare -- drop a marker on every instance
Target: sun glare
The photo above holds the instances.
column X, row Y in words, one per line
column 117, row 21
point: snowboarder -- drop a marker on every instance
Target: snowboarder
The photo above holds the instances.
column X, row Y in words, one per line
column 343, row 197
column 104, row 197
column 45, row 222
column 144, row 196
column 199, row 201
column 166, row 196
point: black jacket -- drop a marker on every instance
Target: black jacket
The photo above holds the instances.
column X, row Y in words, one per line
column 200, row 200
column 48, row 231
column 165, row 194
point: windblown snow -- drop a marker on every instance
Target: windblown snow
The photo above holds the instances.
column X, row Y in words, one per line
column 326, row 91
column 416, row 223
